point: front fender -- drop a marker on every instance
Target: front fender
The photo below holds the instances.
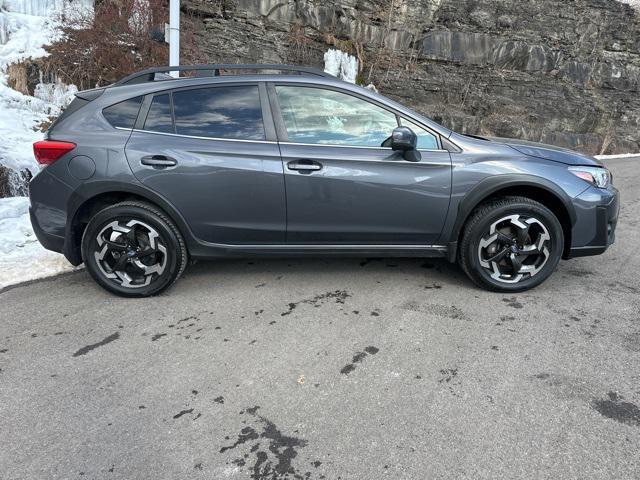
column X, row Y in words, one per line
column 491, row 185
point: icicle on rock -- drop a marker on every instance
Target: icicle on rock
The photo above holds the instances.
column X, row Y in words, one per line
column 340, row 64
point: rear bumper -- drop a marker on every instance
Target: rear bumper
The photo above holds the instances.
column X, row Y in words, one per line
column 595, row 229
column 49, row 241
column 49, row 198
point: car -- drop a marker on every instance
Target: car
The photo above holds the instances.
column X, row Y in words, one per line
column 143, row 175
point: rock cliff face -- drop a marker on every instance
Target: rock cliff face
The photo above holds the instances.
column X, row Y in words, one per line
column 565, row 72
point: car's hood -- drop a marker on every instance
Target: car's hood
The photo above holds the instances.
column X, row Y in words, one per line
column 547, row 152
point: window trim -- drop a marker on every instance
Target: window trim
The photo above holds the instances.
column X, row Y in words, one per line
column 283, row 136
column 217, row 139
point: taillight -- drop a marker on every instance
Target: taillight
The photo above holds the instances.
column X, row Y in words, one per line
column 48, row 151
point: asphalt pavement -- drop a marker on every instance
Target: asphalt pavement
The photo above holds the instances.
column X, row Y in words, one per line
column 329, row 369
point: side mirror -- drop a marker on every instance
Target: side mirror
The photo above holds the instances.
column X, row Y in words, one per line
column 403, row 139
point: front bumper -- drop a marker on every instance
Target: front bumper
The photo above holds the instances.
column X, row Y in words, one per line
column 596, row 220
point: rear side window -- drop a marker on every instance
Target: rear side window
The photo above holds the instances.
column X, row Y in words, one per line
column 159, row 118
column 123, row 114
column 231, row 112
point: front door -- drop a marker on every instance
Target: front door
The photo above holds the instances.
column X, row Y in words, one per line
column 343, row 187
column 205, row 150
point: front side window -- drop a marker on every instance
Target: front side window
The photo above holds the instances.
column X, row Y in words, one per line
column 159, row 117
column 232, row 112
column 123, row 114
column 426, row 140
column 326, row 117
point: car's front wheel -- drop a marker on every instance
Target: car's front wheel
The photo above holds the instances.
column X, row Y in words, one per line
column 511, row 244
column 133, row 249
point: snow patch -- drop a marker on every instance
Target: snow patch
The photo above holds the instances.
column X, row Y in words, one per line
column 22, row 258
column 340, row 64
column 612, row 157
column 634, row 3
column 30, row 24
column 26, row 26
column 57, row 94
column 4, row 27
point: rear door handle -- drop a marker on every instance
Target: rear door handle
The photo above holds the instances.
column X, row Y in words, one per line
column 304, row 165
column 161, row 161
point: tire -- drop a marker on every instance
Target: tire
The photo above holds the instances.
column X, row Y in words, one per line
column 133, row 249
column 511, row 244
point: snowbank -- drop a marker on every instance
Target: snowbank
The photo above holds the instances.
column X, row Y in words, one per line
column 26, row 26
column 22, row 258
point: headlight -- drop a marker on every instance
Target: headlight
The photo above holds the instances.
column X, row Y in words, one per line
column 598, row 176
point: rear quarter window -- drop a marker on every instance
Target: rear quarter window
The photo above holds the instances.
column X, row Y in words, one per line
column 123, row 114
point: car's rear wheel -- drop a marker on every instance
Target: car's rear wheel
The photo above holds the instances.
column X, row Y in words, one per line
column 133, row 249
column 511, row 244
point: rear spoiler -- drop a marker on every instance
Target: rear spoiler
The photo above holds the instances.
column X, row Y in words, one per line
column 90, row 95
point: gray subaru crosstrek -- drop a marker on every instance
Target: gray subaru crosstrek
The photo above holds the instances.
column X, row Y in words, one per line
column 142, row 175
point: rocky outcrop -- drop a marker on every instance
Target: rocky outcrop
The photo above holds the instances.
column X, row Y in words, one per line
column 566, row 73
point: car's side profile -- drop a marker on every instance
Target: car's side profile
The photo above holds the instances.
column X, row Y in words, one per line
column 153, row 170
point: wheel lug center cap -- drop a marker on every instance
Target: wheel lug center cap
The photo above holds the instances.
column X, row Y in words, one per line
column 514, row 248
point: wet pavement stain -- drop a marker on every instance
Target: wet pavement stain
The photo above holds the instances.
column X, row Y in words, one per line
column 183, row 412
column 505, row 318
column 267, row 453
column 512, row 302
column 357, row 358
column 580, row 273
column 448, row 374
column 616, row 409
column 88, row 348
column 449, row 379
column 339, row 296
column 447, row 311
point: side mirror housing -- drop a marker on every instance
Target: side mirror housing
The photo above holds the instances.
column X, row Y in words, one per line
column 403, row 139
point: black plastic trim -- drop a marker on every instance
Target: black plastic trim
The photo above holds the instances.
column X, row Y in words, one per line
column 48, row 240
column 491, row 185
column 575, row 252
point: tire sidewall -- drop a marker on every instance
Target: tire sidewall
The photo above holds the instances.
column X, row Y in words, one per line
column 167, row 236
column 481, row 228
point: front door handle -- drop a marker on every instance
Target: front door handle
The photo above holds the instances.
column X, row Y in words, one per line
column 304, row 165
column 158, row 161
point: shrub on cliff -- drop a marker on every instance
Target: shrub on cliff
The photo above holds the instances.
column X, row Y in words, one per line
column 120, row 37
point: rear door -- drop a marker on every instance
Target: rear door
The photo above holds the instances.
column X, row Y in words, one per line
column 342, row 186
column 211, row 152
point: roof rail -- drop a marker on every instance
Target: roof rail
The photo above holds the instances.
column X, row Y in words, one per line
column 149, row 75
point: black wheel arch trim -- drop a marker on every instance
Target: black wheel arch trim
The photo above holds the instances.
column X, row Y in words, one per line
column 491, row 185
column 91, row 190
